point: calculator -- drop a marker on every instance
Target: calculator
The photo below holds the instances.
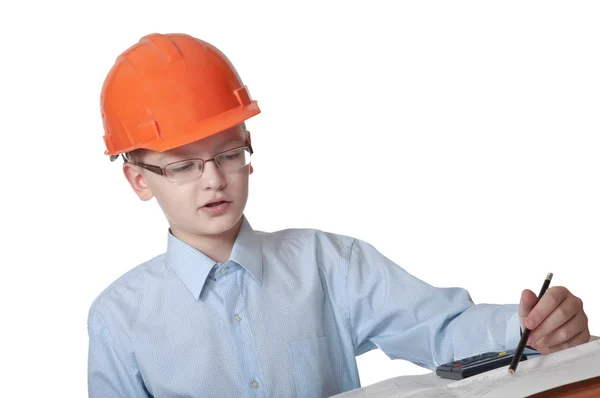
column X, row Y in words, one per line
column 476, row 364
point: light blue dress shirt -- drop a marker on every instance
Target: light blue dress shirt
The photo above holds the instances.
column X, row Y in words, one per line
column 284, row 317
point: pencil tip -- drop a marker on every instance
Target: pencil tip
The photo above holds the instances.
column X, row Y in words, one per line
column 510, row 371
column 549, row 276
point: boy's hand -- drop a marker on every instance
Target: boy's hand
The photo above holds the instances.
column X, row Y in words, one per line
column 556, row 322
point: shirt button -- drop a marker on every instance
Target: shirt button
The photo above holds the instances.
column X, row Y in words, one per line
column 254, row 384
column 237, row 317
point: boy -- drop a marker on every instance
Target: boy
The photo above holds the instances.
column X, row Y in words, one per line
column 228, row 311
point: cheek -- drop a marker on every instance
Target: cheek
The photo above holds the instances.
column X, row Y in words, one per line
column 177, row 200
column 238, row 184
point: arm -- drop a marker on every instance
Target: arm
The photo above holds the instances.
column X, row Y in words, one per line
column 409, row 319
column 110, row 374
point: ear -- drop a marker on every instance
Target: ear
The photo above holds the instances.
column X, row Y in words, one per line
column 251, row 169
column 138, row 183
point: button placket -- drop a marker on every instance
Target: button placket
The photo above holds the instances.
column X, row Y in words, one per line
column 242, row 342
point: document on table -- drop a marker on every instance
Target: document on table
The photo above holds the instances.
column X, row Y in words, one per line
column 533, row 375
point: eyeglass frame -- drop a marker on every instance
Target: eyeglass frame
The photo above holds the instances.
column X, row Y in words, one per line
column 163, row 170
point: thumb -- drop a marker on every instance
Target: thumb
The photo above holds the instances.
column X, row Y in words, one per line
column 528, row 301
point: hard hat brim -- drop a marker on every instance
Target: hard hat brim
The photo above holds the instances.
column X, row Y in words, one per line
column 201, row 130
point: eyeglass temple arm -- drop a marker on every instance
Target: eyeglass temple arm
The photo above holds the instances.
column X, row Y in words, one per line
column 154, row 169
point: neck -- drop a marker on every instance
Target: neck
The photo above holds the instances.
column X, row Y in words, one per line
column 216, row 247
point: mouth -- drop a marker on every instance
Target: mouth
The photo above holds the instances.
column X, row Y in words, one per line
column 215, row 204
column 216, row 208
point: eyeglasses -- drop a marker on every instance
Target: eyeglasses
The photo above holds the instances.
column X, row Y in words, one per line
column 191, row 169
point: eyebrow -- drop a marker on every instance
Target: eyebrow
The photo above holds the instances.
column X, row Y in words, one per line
column 229, row 142
column 220, row 148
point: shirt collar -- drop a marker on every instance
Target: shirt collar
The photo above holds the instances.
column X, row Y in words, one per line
column 247, row 252
column 193, row 267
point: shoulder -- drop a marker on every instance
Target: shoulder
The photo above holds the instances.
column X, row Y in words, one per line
column 306, row 246
column 318, row 237
column 124, row 294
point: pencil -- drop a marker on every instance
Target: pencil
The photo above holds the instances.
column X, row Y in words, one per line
column 519, row 352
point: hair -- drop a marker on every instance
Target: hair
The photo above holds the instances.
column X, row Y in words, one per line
column 136, row 156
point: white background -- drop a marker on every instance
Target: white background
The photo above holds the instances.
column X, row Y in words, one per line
column 459, row 138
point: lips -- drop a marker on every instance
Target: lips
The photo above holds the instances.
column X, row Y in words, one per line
column 216, row 208
column 215, row 202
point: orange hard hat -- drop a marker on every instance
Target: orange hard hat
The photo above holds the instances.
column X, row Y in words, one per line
column 169, row 90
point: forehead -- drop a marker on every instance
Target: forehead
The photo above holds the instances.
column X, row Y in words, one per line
column 208, row 146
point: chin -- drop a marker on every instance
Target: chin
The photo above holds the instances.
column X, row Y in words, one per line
column 219, row 225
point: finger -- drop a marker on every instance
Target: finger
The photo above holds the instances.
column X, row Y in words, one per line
column 582, row 337
column 547, row 304
column 566, row 332
column 528, row 300
column 559, row 316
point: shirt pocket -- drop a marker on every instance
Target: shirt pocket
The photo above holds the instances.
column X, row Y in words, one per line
column 311, row 365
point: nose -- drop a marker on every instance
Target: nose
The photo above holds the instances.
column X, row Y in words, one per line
column 212, row 178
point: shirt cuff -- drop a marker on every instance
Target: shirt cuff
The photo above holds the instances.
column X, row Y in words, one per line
column 513, row 331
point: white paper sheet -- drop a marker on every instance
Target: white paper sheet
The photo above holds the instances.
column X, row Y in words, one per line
column 534, row 375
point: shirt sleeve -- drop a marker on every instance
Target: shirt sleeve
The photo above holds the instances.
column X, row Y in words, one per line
column 109, row 375
column 412, row 320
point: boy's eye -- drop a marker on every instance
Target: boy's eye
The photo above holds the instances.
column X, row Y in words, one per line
column 182, row 168
column 231, row 156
